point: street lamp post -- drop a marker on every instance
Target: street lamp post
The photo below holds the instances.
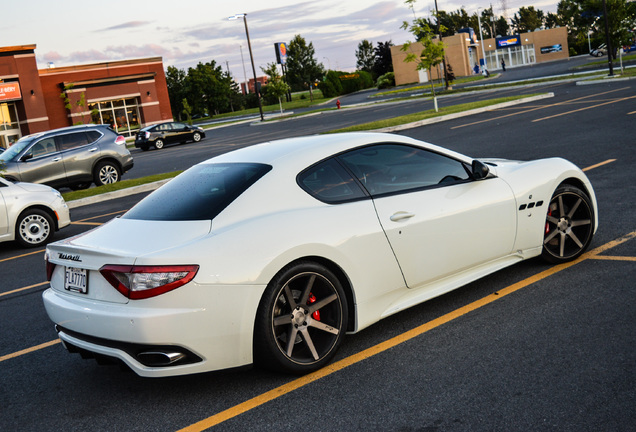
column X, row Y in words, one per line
column 481, row 41
column 249, row 46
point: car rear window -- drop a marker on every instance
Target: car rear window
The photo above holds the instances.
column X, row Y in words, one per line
column 200, row 193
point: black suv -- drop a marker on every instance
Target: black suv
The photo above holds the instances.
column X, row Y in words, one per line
column 161, row 134
column 74, row 157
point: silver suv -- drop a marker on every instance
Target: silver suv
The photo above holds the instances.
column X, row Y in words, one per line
column 71, row 157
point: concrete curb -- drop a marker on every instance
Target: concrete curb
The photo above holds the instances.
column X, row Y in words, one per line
column 463, row 114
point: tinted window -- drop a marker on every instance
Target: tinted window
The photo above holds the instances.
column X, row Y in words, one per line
column 72, row 140
column 200, row 193
column 43, row 147
column 329, row 182
column 391, row 168
column 93, row 136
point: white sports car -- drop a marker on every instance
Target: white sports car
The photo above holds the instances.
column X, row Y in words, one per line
column 271, row 253
column 30, row 213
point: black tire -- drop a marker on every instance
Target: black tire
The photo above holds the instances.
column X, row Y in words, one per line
column 305, row 303
column 569, row 226
column 106, row 172
column 158, row 144
column 34, row 227
column 196, row 137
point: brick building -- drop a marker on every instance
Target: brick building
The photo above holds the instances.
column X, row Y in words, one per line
column 126, row 94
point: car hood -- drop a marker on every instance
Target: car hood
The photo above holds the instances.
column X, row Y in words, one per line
column 124, row 241
column 32, row 187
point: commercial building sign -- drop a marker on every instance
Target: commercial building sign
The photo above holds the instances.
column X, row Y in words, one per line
column 507, row 41
column 551, row 49
column 10, row 91
column 281, row 52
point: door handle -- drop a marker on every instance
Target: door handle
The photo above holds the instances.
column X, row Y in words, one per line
column 57, row 159
column 401, row 215
column 93, row 149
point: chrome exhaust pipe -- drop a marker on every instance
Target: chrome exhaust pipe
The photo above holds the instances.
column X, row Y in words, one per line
column 159, row 358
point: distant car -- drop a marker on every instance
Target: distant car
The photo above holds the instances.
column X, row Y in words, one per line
column 73, row 157
column 273, row 252
column 600, row 51
column 30, row 213
column 162, row 134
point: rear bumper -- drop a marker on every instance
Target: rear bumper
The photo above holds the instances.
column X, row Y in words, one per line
column 212, row 326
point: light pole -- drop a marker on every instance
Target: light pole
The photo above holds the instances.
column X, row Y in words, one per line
column 481, row 41
column 249, row 46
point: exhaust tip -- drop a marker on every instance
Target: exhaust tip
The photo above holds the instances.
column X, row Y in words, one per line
column 160, row 358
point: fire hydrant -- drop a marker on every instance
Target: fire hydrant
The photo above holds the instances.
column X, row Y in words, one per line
column 338, row 103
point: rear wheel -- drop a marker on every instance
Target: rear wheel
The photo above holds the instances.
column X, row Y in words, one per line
column 106, row 173
column 34, row 228
column 158, row 144
column 569, row 225
column 301, row 320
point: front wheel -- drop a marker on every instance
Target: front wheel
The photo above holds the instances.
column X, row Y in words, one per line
column 34, row 228
column 301, row 320
column 569, row 225
column 196, row 137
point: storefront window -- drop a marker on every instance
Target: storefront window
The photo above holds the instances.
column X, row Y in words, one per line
column 9, row 126
column 513, row 56
column 121, row 114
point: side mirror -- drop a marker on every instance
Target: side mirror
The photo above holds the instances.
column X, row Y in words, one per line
column 26, row 157
column 480, row 170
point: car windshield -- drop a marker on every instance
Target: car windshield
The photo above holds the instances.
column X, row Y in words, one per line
column 200, row 193
column 10, row 153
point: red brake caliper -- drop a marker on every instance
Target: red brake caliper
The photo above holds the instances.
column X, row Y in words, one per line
column 310, row 300
column 547, row 224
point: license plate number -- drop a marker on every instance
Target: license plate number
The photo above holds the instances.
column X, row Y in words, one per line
column 76, row 279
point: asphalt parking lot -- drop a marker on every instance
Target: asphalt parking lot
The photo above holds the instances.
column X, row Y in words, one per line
column 532, row 347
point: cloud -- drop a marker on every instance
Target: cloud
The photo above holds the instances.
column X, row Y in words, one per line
column 126, row 25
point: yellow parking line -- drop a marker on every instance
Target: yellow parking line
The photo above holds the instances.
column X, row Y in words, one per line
column 23, row 289
column 583, row 109
column 599, row 164
column 614, row 258
column 381, row 347
column 541, row 107
column 87, row 223
column 28, row 350
column 22, row 256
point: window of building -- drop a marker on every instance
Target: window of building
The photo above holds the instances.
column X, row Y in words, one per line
column 121, row 114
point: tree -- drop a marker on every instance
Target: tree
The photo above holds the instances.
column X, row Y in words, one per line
column 302, row 67
column 432, row 53
column 208, row 88
column 365, row 56
column 175, row 80
column 276, row 87
column 528, row 19
column 383, row 62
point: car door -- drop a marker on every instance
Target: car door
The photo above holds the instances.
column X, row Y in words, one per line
column 182, row 133
column 79, row 151
column 42, row 163
column 437, row 218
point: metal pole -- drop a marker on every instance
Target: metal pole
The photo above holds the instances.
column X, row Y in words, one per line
column 610, row 52
column 249, row 46
column 247, row 87
column 481, row 36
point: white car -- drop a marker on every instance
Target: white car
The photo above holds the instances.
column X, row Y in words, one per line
column 30, row 213
column 270, row 254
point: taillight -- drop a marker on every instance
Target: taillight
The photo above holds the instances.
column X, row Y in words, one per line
column 141, row 282
column 120, row 140
column 147, row 134
column 49, row 268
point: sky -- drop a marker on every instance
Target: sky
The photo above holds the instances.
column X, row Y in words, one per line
column 186, row 32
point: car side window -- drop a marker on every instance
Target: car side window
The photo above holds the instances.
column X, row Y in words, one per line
column 43, row 147
column 329, row 182
column 178, row 126
column 72, row 140
column 394, row 168
column 93, row 136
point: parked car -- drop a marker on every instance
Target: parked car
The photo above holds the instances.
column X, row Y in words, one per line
column 74, row 157
column 162, row 134
column 273, row 252
column 600, row 51
column 30, row 213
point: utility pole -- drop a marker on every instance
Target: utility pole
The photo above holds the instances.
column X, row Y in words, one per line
column 608, row 42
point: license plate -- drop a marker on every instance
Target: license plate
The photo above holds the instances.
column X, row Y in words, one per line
column 76, row 279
